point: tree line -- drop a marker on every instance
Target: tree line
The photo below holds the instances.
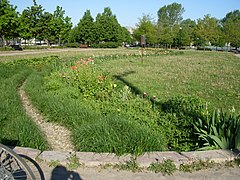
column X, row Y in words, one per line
column 170, row 30
column 35, row 23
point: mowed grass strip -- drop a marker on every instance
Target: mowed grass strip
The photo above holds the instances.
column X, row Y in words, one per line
column 212, row 76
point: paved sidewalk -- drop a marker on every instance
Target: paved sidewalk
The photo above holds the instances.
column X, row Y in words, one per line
column 40, row 163
column 60, row 173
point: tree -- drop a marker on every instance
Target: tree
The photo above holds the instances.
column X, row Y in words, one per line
column 170, row 15
column 125, row 35
column 186, row 32
column 107, row 27
column 207, row 30
column 169, row 18
column 231, row 27
column 62, row 25
column 85, row 29
column 146, row 27
column 8, row 20
column 48, row 28
column 31, row 25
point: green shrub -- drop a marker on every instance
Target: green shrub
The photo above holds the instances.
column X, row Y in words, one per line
column 72, row 45
column 35, row 47
column 35, row 62
column 106, row 45
column 83, row 76
column 6, row 48
column 204, row 49
column 219, row 130
column 177, row 120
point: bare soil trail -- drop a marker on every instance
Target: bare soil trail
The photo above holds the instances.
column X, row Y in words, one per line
column 58, row 137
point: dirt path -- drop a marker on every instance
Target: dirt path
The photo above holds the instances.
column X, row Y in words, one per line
column 238, row 55
column 42, row 51
column 57, row 136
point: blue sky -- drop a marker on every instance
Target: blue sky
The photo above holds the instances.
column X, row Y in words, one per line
column 128, row 12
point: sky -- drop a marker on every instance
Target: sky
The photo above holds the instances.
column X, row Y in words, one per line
column 128, row 12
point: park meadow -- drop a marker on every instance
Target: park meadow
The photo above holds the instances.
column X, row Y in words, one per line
column 119, row 101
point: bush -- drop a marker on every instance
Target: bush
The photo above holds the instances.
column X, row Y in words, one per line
column 6, row 48
column 34, row 47
column 204, row 49
column 72, row 45
column 177, row 120
column 83, row 76
column 106, row 45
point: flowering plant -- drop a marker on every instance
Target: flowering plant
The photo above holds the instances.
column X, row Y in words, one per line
column 88, row 79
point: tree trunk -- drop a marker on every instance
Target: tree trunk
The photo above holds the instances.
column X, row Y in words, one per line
column 3, row 41
column 59, row 41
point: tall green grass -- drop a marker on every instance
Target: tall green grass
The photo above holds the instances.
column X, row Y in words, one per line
column 16, row 128
column 91, row 130
column 125, row 123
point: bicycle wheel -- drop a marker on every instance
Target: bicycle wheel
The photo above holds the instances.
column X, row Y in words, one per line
column 12, row 166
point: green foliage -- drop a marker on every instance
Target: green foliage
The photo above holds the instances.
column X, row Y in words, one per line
column 83, row 76
column 207, row 30
column 107, row 28
column 72, row 45
column 85, row 29
column 8, row 20
column 6, row 48
column 181, row 113
column 117, row 135
column 167, row 167
column 130, row 165
column 169, row 18
column 197, row 166
column 73, row 162
column 17, row 129
column 219, row 130
column 93, row 130
column 106, row 45
column 61, row 25
column 146, row 27
column 31, row 21
column 170, row 15
column 231, row 24
column 104, row 119
column 36, row 62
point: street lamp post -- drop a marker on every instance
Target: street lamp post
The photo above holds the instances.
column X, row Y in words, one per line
column 180, row 37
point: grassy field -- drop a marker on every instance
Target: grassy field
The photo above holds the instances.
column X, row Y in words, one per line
column 120, row 120
column 212, row 76
column 62, row 53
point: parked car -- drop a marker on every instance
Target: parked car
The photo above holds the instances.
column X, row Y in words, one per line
column 17, row 47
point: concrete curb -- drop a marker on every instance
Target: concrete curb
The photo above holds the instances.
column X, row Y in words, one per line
column 90, row 159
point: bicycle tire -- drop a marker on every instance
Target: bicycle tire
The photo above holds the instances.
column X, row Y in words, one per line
column 11, row 162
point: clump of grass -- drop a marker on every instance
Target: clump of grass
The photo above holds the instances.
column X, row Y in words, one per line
column 17, row 129
column 117, row 135
column 197, row 166
column 130, row 165
column 54, row 163
column 73, row 161
column 167, row 167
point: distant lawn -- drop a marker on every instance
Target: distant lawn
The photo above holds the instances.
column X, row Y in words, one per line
column 67, row 53
column 212, row 76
